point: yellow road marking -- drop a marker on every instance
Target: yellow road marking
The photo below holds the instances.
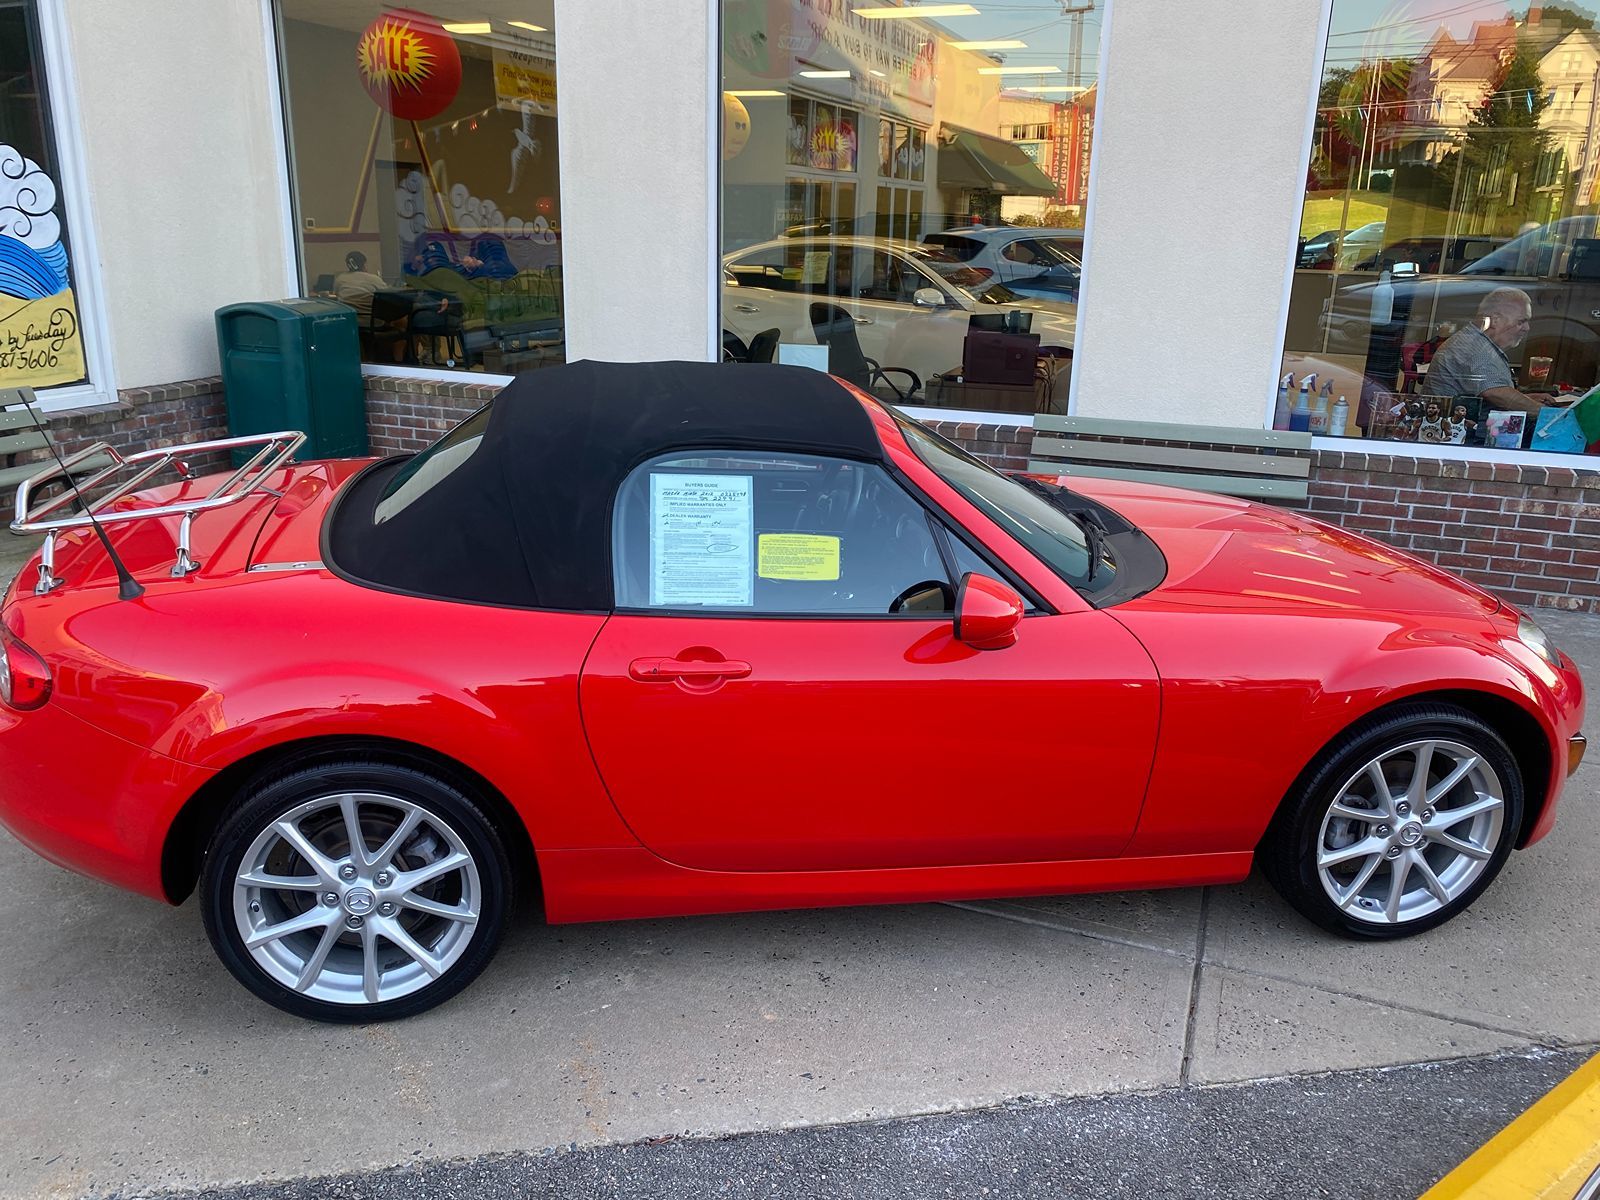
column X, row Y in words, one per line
column 1547, row 1152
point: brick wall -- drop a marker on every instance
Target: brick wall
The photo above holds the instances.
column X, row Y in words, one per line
column 409, row 414
column 1530, row 534
column 142, row 418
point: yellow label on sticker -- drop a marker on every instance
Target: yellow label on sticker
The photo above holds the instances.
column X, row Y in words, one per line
column 797, row 556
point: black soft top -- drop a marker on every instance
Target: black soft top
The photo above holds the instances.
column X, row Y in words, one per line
column 525, row 520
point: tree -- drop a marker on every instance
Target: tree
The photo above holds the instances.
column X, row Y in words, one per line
column 1358, row 110
column 1570, row 18
column 1504, row 143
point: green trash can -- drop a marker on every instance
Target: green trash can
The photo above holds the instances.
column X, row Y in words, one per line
column 294, row 364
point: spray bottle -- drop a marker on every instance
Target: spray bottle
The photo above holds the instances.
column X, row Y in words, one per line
column 1300, row 415
column 1280, row 412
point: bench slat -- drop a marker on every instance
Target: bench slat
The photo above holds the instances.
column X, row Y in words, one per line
column 1232, row 485
column 1167, row 432
column 1174, row 456
column 11, row 476
column 17, row 443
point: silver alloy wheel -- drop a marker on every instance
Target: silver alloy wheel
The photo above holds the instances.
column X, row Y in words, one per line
column 356, row 898
column 1410, row 832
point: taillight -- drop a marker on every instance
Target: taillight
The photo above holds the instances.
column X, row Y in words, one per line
column 24, row 678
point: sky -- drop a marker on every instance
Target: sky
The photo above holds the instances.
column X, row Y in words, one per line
column 1366, row 29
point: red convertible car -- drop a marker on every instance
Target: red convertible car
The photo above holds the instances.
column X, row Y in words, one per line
column 679, row 638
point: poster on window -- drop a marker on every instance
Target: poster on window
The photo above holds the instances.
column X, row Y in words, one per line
column 701, row 540
column 523, row 77
column 39, row 341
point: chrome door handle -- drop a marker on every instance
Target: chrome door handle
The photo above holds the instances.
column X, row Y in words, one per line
column 745, row 308
column 862, row 320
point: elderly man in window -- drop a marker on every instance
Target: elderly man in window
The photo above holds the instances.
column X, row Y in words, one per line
column 1473, row 361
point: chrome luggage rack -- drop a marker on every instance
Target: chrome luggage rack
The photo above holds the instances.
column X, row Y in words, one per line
column 248, row 480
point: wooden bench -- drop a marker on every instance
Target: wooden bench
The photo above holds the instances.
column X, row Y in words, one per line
column 1262, row 464
column 19, row 435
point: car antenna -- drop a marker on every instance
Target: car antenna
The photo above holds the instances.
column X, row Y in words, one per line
column 128, row 588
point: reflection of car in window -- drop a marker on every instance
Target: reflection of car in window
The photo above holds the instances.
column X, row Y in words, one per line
column 1042, row 263
column 909, row 303
column 1557, row 265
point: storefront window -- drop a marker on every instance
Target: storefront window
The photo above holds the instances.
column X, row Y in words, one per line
column 41, row 344
column 1447, row 283
column 423, row 156
column 876, row 179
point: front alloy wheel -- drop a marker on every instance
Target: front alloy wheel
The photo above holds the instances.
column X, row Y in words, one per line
column 1403, row 824
column 355, row 892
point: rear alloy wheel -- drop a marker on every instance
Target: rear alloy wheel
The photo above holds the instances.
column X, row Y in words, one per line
column 356, row 892
column 1404, row 824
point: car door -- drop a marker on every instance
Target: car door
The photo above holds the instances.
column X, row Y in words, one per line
column 893, row 328
column 767, row 698
column 765, row 288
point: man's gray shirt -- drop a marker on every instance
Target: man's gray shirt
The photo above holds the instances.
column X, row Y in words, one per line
column 1469, row 364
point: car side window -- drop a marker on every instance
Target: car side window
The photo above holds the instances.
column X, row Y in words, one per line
column 1025, row 251
column 778, row 269
column 761, row 533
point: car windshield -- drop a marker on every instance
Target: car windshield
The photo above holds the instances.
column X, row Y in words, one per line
column 1045, row 527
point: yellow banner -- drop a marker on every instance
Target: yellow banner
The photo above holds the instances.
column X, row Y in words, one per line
column 39, row 342
column 520, row 78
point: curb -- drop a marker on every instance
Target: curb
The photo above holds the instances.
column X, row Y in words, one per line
column 1551, row 1150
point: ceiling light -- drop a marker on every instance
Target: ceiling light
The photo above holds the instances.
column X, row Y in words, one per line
column 926, row 10
column 1000, row 44
column 468, row 27
column 1019, row 70
column 757, row 92
column 1047, row 89
column 529, row 28
column 874, row 71
column 826, row 74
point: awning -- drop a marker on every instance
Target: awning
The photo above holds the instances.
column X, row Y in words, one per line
column 968, row 159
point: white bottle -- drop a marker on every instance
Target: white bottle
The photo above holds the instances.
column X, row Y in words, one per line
column 1338, row 418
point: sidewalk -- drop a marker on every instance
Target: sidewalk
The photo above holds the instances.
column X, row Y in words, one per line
column 133, row 1060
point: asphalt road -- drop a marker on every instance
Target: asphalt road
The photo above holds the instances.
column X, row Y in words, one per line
column 1353, row 1135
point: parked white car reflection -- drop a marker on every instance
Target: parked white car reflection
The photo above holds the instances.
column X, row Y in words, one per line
column 909, row 305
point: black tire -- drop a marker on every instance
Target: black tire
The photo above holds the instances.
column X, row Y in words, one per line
column 443, row 811
column 1289, row 850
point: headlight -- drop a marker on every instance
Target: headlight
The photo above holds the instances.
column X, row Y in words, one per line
column 1531, row 636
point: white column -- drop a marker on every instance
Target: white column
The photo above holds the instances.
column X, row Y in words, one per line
column 177, row 122
column 1198, row 175
column 637, row 96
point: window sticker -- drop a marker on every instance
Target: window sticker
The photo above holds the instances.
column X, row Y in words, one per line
column 700, row 540
column 816, row 269
column 797, row 556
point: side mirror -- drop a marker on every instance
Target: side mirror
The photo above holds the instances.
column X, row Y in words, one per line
column 928, row 298
column 987, row 613
column 1406, row 268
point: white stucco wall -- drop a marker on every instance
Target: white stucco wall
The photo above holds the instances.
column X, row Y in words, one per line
column 177, row 125
column 1198, row 178
column 636, row 194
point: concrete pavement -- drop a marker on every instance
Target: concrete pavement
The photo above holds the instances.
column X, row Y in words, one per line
column 132, row 1060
